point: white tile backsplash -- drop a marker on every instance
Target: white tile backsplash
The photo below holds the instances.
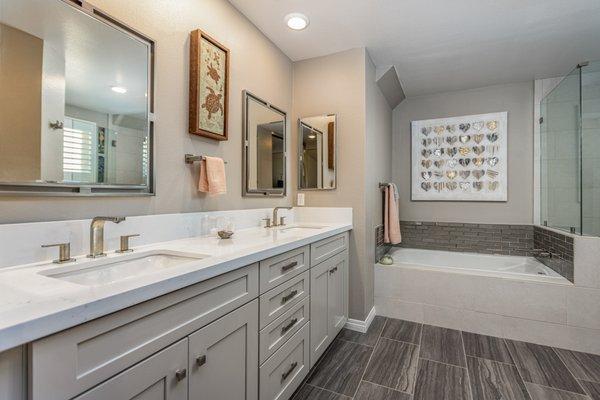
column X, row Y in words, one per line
column 20, row 243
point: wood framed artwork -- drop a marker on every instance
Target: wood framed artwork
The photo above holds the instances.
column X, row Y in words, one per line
column 460, row 158
column 209, row 86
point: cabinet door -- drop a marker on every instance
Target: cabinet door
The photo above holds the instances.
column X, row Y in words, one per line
column 223, row 358
column 338, row 294
column 319, row 312
column 163, row 376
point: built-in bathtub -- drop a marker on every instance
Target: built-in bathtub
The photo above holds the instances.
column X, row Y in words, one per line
column 505, row 296
column 527, row 268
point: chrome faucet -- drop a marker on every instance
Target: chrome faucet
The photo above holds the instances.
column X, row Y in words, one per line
column 281, row 222
column 97, row 235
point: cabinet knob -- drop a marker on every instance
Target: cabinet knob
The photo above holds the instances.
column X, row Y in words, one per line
column 200, row 360
column 180, row 374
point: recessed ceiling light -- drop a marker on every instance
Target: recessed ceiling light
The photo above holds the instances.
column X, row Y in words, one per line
column 119, row 89
column 296, row 21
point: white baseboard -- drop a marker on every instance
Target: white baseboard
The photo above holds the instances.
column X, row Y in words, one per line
column 359, row 325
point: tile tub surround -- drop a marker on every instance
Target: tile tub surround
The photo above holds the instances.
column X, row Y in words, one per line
column 561, row 315
column 34, row 305
column 560, row 245
column 482, row 367
column 514, row 240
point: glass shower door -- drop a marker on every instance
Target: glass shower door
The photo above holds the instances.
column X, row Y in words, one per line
column 560, row 141
column 590, row 139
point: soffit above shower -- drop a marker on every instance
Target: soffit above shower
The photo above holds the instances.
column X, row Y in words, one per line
column 440, row 45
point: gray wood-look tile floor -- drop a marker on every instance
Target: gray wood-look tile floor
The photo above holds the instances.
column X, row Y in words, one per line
column 402, row 360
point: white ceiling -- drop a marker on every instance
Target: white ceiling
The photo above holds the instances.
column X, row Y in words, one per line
column 95, row 55
column 441, row 45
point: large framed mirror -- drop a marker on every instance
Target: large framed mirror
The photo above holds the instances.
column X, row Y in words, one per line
column 264, row 148
column 75, row 101
column 317, row 157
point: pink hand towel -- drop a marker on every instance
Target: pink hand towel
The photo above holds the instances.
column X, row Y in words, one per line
column 392, row 221
column 212, row 176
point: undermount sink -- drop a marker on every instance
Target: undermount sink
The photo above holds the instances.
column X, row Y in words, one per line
column 299, row 228
column 110, row 270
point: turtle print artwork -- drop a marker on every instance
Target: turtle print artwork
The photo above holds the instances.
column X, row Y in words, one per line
column 209, row 86
column 465, row 161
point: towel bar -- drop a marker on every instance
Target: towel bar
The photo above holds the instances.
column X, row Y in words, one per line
column 190, row 159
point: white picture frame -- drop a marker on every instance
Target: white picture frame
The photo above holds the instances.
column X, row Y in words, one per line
column 467, row 158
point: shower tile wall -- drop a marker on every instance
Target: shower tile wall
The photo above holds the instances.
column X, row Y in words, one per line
column 516, row 240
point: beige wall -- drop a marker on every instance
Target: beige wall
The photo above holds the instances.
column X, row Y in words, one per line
column 517, row 99
column 256, row 65
column 378, row 167
column 20, row 104
column 344, row 84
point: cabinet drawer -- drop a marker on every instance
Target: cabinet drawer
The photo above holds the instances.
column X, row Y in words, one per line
column 284, row 327
column 277, row 301
column 281, row 375
column 276, row 270
column 95, row 351
column 323, row 249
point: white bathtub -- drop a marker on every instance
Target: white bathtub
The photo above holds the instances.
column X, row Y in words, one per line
column 527, row 268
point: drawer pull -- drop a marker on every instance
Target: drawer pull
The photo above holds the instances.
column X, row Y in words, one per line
column 333, row 270
column 200, row 360
column 288, row 297
column 180, row 374
column 288, row 326
column 289, row 266
column 289, row 371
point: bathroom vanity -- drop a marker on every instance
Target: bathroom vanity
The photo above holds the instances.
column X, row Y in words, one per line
column 244, row 318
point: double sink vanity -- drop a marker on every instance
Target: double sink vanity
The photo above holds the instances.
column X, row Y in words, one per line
column 198, row 317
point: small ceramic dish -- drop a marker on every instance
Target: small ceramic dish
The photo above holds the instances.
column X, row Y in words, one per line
column 225, row 234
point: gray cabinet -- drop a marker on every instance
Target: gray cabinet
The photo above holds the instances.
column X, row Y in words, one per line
column 329, row 302
column 162, row 376
column 223, row 357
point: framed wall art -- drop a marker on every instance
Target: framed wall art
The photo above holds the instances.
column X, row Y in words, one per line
column 460, row 158
column 209, row 87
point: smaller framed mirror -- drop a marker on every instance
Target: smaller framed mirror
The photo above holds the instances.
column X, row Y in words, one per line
column 264, row 148
column 317, row 157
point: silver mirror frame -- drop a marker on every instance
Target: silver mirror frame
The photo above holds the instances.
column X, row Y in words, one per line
column 246, row 192
column 299, row 152
column 59, row 189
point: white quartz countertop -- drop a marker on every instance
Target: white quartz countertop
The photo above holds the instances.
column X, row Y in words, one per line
column 33, row 305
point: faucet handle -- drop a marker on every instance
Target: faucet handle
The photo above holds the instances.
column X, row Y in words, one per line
column 64, row 252
column 125, row 243
column 281, row 221
column 268, row 222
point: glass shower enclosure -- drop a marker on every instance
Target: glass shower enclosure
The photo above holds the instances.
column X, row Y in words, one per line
column 570, row 152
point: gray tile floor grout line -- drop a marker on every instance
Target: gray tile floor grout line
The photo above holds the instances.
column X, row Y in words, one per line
column 517, row 367
column 327, row 390
column 440, row 362
column 568, row 370
column 462, row 341
column 370, row 357
column 386, row 387
column 495, row 361
column 399, row 341
column 560, row 390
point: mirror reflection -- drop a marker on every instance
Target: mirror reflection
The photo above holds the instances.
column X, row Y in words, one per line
column 316, row 152
column 265, row 138
column 73, row 98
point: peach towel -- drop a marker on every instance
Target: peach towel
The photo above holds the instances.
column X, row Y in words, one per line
column 391, row 223
column 212, row 176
